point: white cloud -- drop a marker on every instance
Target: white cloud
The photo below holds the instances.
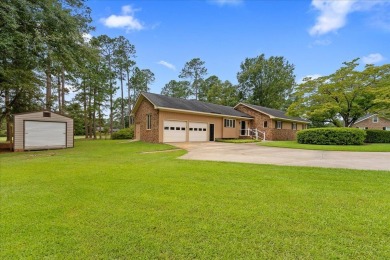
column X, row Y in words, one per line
column 227, row 2
column 87, row 37
column 313, row 76
column 373, row 58
column 333, row 15
column 324, row 42
column 167, row 64
column 126, row 20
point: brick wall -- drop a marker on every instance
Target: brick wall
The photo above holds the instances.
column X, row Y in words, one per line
column 270, row 132
column 144, row 109
column 382, row 122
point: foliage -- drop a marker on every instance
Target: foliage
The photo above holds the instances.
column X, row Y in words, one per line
column 195, row 71
column 266, row 82
column 214, row 90
column 377, row 136
column 350, row 148
column 331, row 136
column 111, row 200
column 125, row 133
column 177, row 89
column 347, row 94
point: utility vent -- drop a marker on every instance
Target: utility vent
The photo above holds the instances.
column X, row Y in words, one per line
column 46, row 114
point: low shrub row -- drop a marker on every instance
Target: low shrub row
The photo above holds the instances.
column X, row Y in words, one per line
column 125, row 133
column 332, row 136
column 377, row 136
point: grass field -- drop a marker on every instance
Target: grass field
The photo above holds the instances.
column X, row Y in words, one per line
column 351, row 148
column 109, row 199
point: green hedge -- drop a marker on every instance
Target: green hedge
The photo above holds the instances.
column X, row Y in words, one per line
column 125, row 133
column 332, row 136
column 377, row 136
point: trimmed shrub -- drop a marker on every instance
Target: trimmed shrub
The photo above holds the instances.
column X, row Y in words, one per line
column 377, row 136
column 332, row 136
column 125, row 133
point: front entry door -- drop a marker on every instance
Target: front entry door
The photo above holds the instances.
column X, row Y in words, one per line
column 138, row 132
column 211, row 128
column 243, row 127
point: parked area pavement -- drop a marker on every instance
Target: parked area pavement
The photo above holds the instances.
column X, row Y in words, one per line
column 253, row 153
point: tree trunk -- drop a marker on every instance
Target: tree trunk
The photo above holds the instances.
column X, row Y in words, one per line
column 7, row 116
column 122, row 104
column 63, row 90
column 48, row 86
column 129, row 95
column 85, row 111
column 59, row 93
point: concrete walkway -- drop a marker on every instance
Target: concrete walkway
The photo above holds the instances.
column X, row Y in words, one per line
column 252, row 153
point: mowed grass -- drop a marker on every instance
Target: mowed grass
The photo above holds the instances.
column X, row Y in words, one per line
column 109, row 199
column 351, row 148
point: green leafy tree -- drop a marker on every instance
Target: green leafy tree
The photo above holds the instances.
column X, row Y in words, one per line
column 346, row 94
column 195, row 71
column 178, row 89
column 216, row 91
column 266, row 82
column 141, row 80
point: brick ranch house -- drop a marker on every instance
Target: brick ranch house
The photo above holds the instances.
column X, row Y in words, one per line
column 372, row 121
column 162, row 119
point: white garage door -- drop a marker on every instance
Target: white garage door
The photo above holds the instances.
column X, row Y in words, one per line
column 44, row 134
column 197, row 132
column 174, row 131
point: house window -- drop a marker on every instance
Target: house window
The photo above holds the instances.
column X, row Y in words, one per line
column 375, row 119
column 148, row 122
column 278, row 124
column 366, row 128
column 386, row 128
column 231, row 123
column 46, row 114
column 265, row 125
column 294, row 126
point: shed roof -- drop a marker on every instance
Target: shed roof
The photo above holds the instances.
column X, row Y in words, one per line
column 160, row 101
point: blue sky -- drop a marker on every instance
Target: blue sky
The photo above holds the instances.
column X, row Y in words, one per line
column 316, row 36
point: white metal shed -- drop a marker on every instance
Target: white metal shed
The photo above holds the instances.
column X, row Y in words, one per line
column 42, row 130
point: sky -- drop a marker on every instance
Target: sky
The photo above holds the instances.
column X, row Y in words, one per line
column 316, row 36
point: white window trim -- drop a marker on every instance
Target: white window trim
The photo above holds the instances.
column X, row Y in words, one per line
column 375, row 119
column 294, row 126
column 278, row 124
column 229, row 123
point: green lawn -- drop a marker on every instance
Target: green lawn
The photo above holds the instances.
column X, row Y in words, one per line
column 352, row 148
column 108, row 199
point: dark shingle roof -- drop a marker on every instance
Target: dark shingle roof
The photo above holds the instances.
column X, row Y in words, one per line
column 275, row 113
column 192, row 105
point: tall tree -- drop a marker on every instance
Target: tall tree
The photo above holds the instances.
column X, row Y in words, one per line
column 178, row 89
column 195, row 71
column 123, row 55
column 140, row 81
column 266, row 82
column 346, row 94
column 220, row 92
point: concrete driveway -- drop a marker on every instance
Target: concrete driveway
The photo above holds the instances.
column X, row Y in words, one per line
column 252, row 153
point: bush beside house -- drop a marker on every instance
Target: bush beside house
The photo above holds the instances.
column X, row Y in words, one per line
column 332, row 136
column 377, row 136
column 125, row 133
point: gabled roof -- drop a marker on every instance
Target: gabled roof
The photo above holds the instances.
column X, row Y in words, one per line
column 191, row 106
column 367, row 117
column 274, row 113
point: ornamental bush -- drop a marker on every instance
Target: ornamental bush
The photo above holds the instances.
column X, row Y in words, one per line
column 125, row 133
column 332, row 136
column 377, row 136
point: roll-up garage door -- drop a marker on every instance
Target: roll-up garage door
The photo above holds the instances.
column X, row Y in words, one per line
column 38, row 134
column 197, row 132
column 174, row 131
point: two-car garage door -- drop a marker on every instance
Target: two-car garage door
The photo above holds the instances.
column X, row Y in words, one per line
column 176, row 131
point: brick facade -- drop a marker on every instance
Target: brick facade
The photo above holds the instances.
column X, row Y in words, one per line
column 144, row 109
column 369, row 123
column 271, row 133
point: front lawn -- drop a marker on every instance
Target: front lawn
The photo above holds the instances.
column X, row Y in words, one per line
column 109, row 199
column 352, row 148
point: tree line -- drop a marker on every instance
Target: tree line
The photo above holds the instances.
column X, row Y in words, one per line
column 45, row 56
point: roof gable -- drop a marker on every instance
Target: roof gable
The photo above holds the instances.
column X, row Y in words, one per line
column 273, row 113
